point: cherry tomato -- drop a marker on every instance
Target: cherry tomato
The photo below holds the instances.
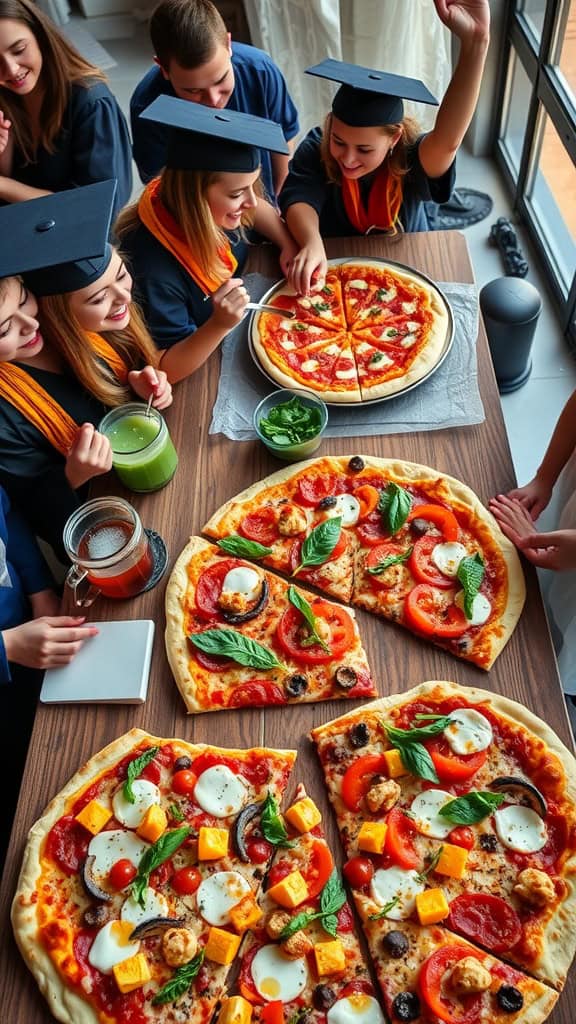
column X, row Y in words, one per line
column 277, row 872
column 312, row 489
column 341, row 633
column 399, row 842
column 428, row 612
column 368, row 496
column 122, row 873
column 209, row 587
column 345, row 919
column 183, row 782
column 358, row 778
column 359, row 871
column 260, row 526
column 185, row 881
column 442, row 517
column 258, row 850
column 317, row 872
column 451, row 767
column 485, row 919
column 256, row 693
column 422, row 567
column 464, row 1010
column 273, row 1012
column 462, row 836
column 372, row 530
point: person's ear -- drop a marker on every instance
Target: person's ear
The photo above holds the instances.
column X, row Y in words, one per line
column 162, row 69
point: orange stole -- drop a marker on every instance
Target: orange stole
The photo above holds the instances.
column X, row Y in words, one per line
column 384, row 202
column 162, row 225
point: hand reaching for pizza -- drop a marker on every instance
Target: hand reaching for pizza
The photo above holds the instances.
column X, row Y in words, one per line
column 534, row 496
column 308, row 268
column 46, row 642
column 466, row 19
column 555, row 550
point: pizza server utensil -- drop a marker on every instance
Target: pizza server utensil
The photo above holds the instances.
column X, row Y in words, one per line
column 288, row 314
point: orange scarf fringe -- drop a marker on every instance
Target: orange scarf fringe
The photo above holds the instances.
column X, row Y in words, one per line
column 384, row 202
column 162, row 225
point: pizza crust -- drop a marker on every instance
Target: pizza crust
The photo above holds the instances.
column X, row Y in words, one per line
column 176, row 640
column 287, row 381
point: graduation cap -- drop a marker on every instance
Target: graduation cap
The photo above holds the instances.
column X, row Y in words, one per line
column 208, row 139
column 59, row 243
column 368, row 97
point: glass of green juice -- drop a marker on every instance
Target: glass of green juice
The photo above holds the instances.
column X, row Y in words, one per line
column 143, row 454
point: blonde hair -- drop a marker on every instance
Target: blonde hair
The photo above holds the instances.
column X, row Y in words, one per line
column 397, row 160
column 63, row 333
column 62, row 67
column 185, row 196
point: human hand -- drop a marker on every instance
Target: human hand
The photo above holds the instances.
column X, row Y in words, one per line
column 48, row 641
column 555, row 550
column 534, row 496
column 45, row 602
column 287, row 253
column 466, row 19
column 229, row 302
column 151, row 381
column 308, row 268
column 90, row 455
column 5, row 136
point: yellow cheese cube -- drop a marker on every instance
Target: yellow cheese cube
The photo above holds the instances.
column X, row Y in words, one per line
column 132, row 973
column 372, row 836
column 394, row 763
column 452, row 861
column 212, row 843
column 235, row 1010
column 153, row 824
column 330, row 957
column 222, row 946
column 290, row 892
column 245, row 914
column 94, row 816
column 432, row 906
column 303, row 815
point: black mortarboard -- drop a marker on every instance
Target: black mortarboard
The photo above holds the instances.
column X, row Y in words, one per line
column 368, row 97
column 209, row 139
column 59, row 243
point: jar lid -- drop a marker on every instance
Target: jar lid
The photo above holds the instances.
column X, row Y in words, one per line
column 510, row 300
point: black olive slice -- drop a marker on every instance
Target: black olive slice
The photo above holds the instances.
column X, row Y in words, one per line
column 296, row 685
column 406, row 1006
column 510, row 999
column 420, row 526
column 235, row 618
column 525, row 789
column 239, row 827
column 395, row 944
column 358, row 735
column 323, row 997
column 345, row 677
column 154, row 925
column 182, row 764
column 356, row 464
column 488, row 842
column 328, row 502
column 92, row 887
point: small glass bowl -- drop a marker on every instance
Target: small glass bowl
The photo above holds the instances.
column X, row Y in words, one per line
column 291, row 452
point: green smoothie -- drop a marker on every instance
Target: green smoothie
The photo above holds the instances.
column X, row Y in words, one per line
column 143, row 454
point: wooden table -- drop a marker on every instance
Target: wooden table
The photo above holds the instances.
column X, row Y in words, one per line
column 213, row 469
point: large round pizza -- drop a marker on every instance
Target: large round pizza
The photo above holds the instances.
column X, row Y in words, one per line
column 371, row 330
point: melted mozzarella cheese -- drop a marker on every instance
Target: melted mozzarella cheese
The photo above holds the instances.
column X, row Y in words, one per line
column 275, row 976
column 468, row 732
column 111, row 946
column 286, row 325
column 305, row 303
column 408, row 340
column 146, row 793
column 388, row 334
column 346, row 506
column 520, row 828
column 288, row 346
column 447, row 557
column 358, row 284
column 309, row 365
column 425, row 813
column 396, row 883
column 315, row 330
column 481, row 608
column 346, row 374
column 412, row 325
column 381, row 360
column 332, row 350
column 108, row 847
column 155, row 905
column 217, row 894
column 408, row 307
column 352, row 301
column 244, row 581
column 358, row 1008
column 219, row 792
column 388, row 294
column 364, row 346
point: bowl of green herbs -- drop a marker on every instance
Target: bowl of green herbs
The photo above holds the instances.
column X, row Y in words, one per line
column 291, row 423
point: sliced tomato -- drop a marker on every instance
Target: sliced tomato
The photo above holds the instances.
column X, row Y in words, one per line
column 273, row 1012
column 399, row 842
column 368, row 496
column 295, row 554
column 372, row 531
column 257, row 693
column 245, row 979
column 455, row 1010
column 388, row 580
column 451, row 767
column 261, row 526
column 462, row 836
column 211, row 662
column 421, row 565
column 312, row 489
column 442, row 517
column 341, row 633
column 278, row 871
column 358, row 778
column 428, row 612
column 209, row 587
column 345, row 919
column 319, row 868
column 487, row 920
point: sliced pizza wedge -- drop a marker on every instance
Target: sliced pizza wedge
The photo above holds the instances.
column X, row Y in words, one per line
column 323, row 306
column 310, row 366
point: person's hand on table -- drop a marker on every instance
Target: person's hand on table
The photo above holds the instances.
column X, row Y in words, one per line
column 90, row 455
column 48, row 641
column 534, row 496
column 45, row 602
column 466, row 19
column 229, row 303
column 308, row 268
column 150, row 381
column 555, row 550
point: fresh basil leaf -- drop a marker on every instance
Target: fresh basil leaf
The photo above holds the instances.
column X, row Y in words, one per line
column 385, row 910
column 175, row 812
column 470, row 574
column 320, row 543
column 333, row 895
column 154, row 856
column 376, row 358
column 417, row 761
column 242, row 649
column 271, row 824
column 321, row 307
column 332, row 898
column 395, row 504
column 237, row 545
column 135, row 768
column 296, row 924
column 326, row 290
column 400, row 736
column 179, row 982
column 376, row 570
column 431, row 865
column 330, row 924
column 302, row 605
column 471, row 808
column 291, row 422
column 381, row 294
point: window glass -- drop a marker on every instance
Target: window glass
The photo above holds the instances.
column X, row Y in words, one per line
column 552, row 198
column 567, row 60
column 533, row 11
column 515, row 118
